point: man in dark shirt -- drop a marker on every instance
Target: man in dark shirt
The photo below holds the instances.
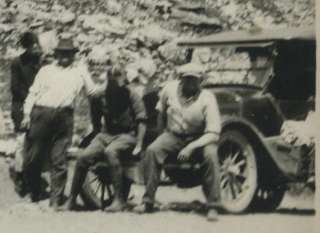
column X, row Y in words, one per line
column 123, row 131
column 23, row 71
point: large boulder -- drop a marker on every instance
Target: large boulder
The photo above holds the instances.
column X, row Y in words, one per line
column 113, row 7
column 142, row 69
column 196, row 7
column 171, row 52
column 66, row 17
column 196, row 20
column 99, row 54
column 103, row 24
column 6, row 28
column 153, row 35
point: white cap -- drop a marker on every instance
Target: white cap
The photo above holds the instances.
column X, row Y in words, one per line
column 191, row 69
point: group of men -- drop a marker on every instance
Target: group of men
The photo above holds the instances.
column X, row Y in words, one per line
column 43, row 101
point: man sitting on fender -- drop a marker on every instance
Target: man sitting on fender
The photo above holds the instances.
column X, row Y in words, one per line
column 124, row 130
column 192, row 120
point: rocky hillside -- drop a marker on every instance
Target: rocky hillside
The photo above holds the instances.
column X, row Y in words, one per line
column 140, row 34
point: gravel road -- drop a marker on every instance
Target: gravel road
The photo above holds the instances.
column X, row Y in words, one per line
column 295, row 215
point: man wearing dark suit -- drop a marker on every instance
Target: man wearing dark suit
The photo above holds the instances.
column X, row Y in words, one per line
column 23, row 71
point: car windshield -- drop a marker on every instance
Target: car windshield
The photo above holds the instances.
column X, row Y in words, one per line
column 226, row 66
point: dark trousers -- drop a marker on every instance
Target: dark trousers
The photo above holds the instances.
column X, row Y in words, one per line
column 48, row 139
column 17, row 114
column 108, row 148
column 168, row 144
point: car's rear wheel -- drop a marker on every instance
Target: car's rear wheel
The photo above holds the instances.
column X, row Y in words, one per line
column 239, row 171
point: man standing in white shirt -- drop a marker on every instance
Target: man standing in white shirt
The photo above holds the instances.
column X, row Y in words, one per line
column 48, row 116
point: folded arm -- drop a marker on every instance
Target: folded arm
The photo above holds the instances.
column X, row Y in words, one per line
column 212, row 129
column 204, row 140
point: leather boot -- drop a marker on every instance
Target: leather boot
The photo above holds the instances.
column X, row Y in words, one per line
column 144, row 208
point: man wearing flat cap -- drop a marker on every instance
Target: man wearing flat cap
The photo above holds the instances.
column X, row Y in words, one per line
column 191, row 120
column 48, row 116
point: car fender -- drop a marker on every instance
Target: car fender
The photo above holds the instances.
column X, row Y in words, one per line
column 282, row 163
column 285, row 158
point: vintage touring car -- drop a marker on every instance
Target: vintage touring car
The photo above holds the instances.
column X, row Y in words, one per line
column 256, row 163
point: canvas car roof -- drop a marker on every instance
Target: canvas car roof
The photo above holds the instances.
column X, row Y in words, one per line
column 260, row 38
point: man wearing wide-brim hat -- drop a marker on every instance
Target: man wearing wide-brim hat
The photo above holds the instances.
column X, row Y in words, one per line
column 48, row 117
column 191, row 121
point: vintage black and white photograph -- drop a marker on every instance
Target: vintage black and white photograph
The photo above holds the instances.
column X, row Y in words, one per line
column 157, row 116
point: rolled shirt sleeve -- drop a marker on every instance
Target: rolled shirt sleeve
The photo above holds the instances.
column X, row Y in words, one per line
column 138, row 106
column 162, row 104
column 91, row 88
column 212, row 115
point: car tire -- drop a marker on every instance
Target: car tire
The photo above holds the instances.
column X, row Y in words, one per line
column 238, row 171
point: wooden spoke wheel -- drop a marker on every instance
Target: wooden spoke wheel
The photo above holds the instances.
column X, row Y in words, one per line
column 97, row 193
column 238, row 171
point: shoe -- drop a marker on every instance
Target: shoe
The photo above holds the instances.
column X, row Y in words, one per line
column 19, row 184
column 144, row 208
column 69, row 205
column 35, row 197
column 116, row 206
column 212, row 215
column 20, row 187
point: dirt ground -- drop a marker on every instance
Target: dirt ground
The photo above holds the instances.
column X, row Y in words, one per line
column 295, row 215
